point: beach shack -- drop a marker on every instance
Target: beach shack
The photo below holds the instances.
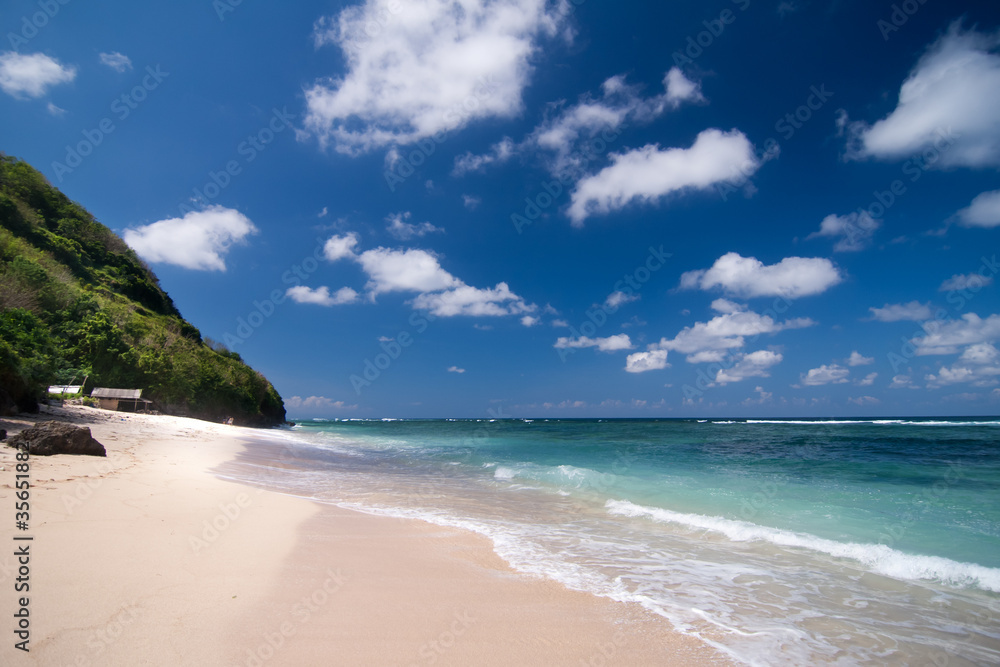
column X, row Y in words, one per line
column 122, row 400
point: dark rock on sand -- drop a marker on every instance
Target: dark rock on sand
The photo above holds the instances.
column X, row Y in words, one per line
column 48, row 438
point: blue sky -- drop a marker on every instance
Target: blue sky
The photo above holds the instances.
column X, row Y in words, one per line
column 426, row 209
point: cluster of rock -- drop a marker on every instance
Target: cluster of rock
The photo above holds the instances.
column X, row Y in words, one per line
column 52, row 437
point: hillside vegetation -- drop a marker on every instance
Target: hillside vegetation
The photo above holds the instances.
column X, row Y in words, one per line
column 75, row 301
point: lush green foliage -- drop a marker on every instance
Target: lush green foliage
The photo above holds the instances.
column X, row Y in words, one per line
column 76, row 301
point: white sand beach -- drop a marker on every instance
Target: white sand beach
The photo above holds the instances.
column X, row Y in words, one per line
column 148, row 557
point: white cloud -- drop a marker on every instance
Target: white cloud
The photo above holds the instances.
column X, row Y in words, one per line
column 855, row 230
column 323, row 213
column 755, row 364
column 951, row 95
column 409, row 270
column 339, row 247
column 963, row 282
column 467, row 300
column 404, row 231
column 530, row 320
column 640, row 362
column 499, row 153
column 705, row 341
column 902, row 382
column 858, row 359
column 456, row 369
column 321, row 296
column 680, row 89
column 832, row 374
column 867, row 380
column 116, row 61
column 649, row 173
column 609, row 344
column 415, row 270
column 470, row 202
column 317, row 403
column 197, row 241
column 31, row 75
column 792, row 277
column 946, row 337
column 427, row 67
column 979, row 364
column 864, row 400
column 913, row 311
column 618, row 298
column 984, row 211
column 54, row 110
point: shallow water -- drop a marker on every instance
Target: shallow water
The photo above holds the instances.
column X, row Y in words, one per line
column 780, row 542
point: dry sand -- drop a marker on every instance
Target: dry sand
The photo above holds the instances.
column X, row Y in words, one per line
column 147, row 557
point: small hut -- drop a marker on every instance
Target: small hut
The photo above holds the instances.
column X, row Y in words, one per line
column 122, row 400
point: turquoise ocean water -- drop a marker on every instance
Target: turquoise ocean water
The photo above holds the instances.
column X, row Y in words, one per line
column 781, row 542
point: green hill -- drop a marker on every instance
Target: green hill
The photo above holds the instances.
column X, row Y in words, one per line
column 75, row 301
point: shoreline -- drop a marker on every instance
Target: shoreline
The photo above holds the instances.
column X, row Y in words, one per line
column 148, row 556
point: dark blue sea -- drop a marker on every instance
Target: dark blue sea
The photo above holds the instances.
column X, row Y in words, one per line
column 780, row 542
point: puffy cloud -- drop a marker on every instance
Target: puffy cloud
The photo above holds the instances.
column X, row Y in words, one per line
column 530, row 320
column 902, row 382
column 963, row 282
column 832, row 374
column 855, row 230
column 680, row 89
column 984, row 211
column 321, row 296
column 468, row 300
column 197, row 241
column 563, row 135
column 455, row 369
column 913, row 311
column 649, row 173
column 867, row 380
column 640, row 362
column 404, row 231
column 31, row 75
column 609, row 344
column 979, row 364
column 858, row 359
column 119, row 62
column 339, row 247
column 949, row 101
column 415, row 69
column 792, row 277
column 864, row 400
column 618, row 298
column 409, row 270
column 755, row 364
column 705, row 341
column 947, row 337
column 419, row 271
column 499, row 153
